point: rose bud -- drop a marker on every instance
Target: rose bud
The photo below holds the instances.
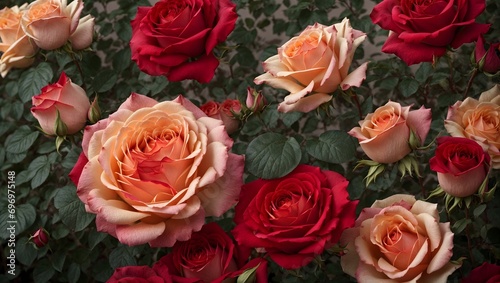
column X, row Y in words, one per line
column 255, row 101
column 94, row 113
column 40, row 238
column 61, row 105
column 385, row 134
column 488, row 61
column 461, row 165
column 230, row 111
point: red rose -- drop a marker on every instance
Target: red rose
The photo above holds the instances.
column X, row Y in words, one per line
column 176, row 38
column 209, row 256
column 488, row 60
column 138, row 274
column 486, row 273
column 40, row 238
column 227, row 111
column 294, row 218
column 424, row 29
column 461, row 165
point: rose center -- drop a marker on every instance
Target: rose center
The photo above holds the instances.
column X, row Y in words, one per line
column 172, row 10
column 43, row 10
column 302, row 44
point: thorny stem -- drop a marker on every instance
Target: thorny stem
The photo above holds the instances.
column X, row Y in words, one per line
column 469, row 84
column 358, row 105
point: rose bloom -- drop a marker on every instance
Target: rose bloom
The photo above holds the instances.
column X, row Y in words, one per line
column 138, row 274
column 488, row 60
column 478, row 120
column 16, row 48
column 155, row 170
column 486, row 273
column 209, row 256
column 384, row 135
column 461, row 165
column 296, row 217
column 227, row 112
column 176, row 38
column 312, row 65
column 51, row 23
column 64, row 99
column 399, row 239
column 422, row 30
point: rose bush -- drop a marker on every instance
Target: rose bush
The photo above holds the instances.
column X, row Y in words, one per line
column 155, row 170
column 479, row 120
column 384, row 135
column 296, row 217
column 61, row 108
column 177, row 38
column 485, row 273
column 51, row 23
column 312, row 65
column 399, row 239
column 423, row 30
column 461, row 165
column 209, row 256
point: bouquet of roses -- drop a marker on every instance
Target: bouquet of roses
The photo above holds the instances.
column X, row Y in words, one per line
column 250, row 141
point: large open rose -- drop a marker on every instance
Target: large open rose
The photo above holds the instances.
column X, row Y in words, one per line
column 155, row 170
column 478, row 120
column 175, row 38
column 422, row 30
column 385, row 134
column 312, row 65
column 399, row 239
column 294, row 218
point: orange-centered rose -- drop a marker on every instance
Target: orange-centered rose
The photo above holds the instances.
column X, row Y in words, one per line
column 478, row 120
column 313, row 65
column 399, row 239
column 155, row 170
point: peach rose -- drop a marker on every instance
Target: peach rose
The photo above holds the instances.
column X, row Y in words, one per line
column 18, row 51
column 51, row 23
column 64, row 102
column 384, row 135
column 314, row 64
column 478, row 120
column 226, row 111
column 155, row 170
column 399, row 239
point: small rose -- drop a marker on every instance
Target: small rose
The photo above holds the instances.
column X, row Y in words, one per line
column 461, row 165
column 40, row 238
column 228, row 112
column 487, row 61
column 385, row 134
column 312, row 65
column 399, row 239
column 478, row 120
column 51, row 23
column 61, row 105
column 211, row 109
column 296, row 217
column 486, row 273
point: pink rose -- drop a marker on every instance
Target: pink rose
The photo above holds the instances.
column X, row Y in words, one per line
column 422, row 30
column 488, row 61
column 461, row 165
column 208, row 256
column 211, row 109
column 16, row 48
column 313, row 65
column 399, row 239
column 63, row 102
column 255, row 101
column 296, row 217
column 138, row 274
column 385, row 134
column 478, row 120
column 51, row 23
column 156, row 170
column 176, row 38
column 40, row 238
column 486, row 273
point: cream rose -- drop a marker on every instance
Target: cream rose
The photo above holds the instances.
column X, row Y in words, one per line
column 312, row 65
column 18, row 51
column 384, row 135
column 153, row 171
column 478, row 120
column 399, row 239
column 51, row 23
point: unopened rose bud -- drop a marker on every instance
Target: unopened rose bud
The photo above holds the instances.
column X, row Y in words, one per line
column 255, row 100
column 487, row 61
column 40, row 238
column 94, row 114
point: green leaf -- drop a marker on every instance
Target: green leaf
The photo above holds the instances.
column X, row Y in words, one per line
column 121, row 256
column 479, row 210
column 40, row 168
column 290, row 118
column 460, row 225
column 43, row 271
column 423, row 72
column 33, row 80
column 25, row 251
column 104, row 81
column 332, row 146
column 73, row 273
column 25, row 217
column 58, row 258
column 21, row 140
column 71, row 209
column 408, row 86
column 272, row 155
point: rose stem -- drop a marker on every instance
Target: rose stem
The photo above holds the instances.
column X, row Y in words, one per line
column 79, row 69
column 469, row 84
column 467, row 232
